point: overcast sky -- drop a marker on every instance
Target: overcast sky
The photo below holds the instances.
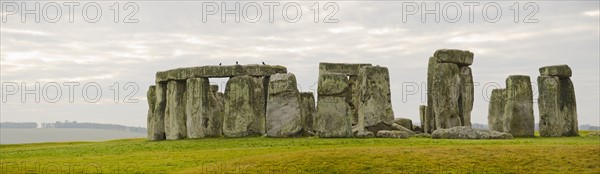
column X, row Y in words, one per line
column 170, row 35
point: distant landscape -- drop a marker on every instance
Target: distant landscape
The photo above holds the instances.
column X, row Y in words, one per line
column 31, row 132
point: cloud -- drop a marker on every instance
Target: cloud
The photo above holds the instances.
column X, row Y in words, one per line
column 173, row 35
column 593, row 13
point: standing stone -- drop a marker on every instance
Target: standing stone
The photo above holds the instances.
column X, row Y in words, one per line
column 423, row 116
column 518, row 113
column 353, row 98
column 404, row 122
column 449, row 89
column 446, row 89
column 214, row 128
column 430, row 114
column 156, row 127
column 465, row 103
column 242, row 108
column 332, row 109
column 556, row 102
column 284, row 114
column 175, row 126
column 197, row 90
column 308, row 110
column 201, row 120
column 375, row 109
column 261, row 92
column 496, row 110
column 156, row 131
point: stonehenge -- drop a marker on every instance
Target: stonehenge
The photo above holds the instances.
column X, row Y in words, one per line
column 556, row 102
column 511, row 109
column 352, row 100
column 449, row 90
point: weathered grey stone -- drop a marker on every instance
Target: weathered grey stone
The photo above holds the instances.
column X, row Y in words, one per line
column 392, row 134
column 175, row 117
column 261, row 95
column 197, row 110
column 204, row 111
column 557, row 107
column 243, row 105
column 219, row 71
column 459, row 57
column 450, row 90
column 332, row 108
column 308, row 110
column 446, row 89
column 430, row 114
column 364, row 134
column 156, row 130
column 343, row 68
column 375, row 106
column 404, row 122
column 518, row 113
column 417, row 129
column 464, row 132
column 465, row 101
column 353, row 98
column 422, row 115
column 216, row 102
column 563, row 71
column 496, row 110
column 352, row 71
column 333, row 84
column 214, row 88
column 284, row 115
column 397, row 127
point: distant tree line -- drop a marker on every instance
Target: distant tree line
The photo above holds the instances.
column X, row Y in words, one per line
column 18, row 125
column 71, row 124
column 83, row 125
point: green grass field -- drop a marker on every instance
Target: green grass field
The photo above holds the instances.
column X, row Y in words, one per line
column 308, row 155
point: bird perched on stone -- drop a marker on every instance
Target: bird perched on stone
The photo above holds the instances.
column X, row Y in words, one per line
column 236, row 62
column 219, row 64
column 263, row 63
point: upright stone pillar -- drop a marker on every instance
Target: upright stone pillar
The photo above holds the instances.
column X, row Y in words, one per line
column 308, row 110
column 556, row 102
column 518, row 113
column 375, row 109
column 353, row 98
column 332, row 108
column 216, row 113
column 449, row 89
column 243, row 107
column 284, row 114
column 430, row 114
column 200, row 121
column 156, row 130
column 465, row 103
column 175, row 126
column 496, row 110
column 446, row 91
column 423, row 116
